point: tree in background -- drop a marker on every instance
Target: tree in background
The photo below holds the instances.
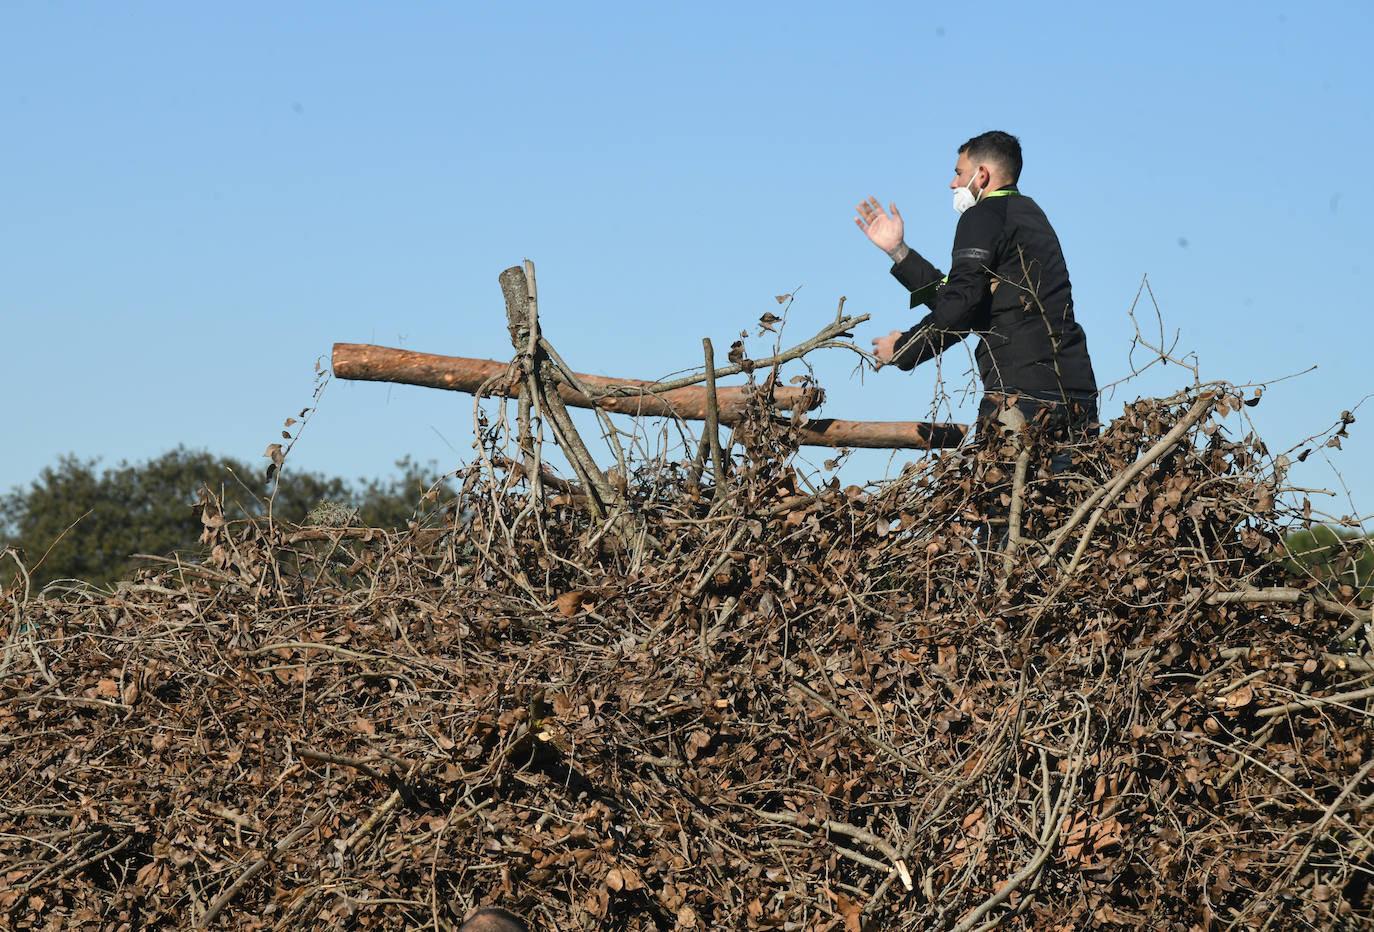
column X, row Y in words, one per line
column 73, row 522
column 1335, row 557
column 392, row 503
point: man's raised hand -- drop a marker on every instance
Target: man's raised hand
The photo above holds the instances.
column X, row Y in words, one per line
column 884, row 231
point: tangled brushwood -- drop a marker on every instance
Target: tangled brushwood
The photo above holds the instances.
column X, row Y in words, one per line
column 758, row 706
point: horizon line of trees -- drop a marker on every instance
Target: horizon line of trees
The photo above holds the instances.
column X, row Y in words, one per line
column 78, row 521
column 75, row 521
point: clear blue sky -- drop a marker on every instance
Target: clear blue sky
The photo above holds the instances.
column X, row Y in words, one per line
column 200, row 199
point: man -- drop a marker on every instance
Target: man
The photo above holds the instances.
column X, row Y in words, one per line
column 1007, row 283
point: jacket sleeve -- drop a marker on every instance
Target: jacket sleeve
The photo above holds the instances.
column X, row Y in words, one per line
column 959, row 303
column 916, row 273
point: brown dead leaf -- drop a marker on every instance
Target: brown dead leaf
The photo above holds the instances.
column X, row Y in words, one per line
column 570, row 602
column 947, row 662
column 851, row 911
column 1240, row 698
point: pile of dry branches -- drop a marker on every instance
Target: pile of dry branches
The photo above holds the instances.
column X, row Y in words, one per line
column 667, row 703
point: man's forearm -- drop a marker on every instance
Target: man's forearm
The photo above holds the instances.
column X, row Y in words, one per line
column 899, row 252
column 922, row 342
column 907, row 348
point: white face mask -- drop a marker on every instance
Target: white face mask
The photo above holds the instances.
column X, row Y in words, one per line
column 964, row 198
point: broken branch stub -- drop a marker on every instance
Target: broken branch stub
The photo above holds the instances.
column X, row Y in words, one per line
column 517, row 284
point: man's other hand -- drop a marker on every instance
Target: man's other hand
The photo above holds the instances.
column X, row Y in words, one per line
column 883, row 348
column 884, row 231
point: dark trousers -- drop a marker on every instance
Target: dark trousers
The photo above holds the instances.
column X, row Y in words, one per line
column 1058, row 424
column 1052, row 427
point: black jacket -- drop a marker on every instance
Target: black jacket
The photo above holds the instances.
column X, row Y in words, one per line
column 1029, row 341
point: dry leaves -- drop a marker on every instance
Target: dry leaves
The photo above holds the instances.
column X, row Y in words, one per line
column 774, row 709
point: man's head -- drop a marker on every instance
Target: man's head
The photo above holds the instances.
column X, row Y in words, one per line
column 492, row 919
column 988, row 162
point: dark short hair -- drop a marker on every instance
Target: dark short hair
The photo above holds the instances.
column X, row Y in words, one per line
column 493, row 919
column 996, row 146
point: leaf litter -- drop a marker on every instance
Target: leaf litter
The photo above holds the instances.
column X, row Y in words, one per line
column 785, row 707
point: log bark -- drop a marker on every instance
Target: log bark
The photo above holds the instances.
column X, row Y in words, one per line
column 462, row 374
column 882, row 435
column 362, row 361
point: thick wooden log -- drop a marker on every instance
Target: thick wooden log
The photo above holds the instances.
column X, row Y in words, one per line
column 362, row 361
column 882, row 435
column 461, row 374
